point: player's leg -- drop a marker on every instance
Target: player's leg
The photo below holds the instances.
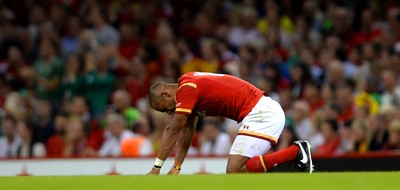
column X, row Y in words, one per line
column 236, row 164
column 248, row 155
column 266, row 122
column 299, row 152
column 243, row 148
column 267, row 162
column 273, row 126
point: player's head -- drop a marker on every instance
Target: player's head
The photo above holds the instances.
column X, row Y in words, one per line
column 162, row 97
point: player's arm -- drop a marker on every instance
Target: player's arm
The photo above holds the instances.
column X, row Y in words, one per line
column 170, row 136
column 184, row 142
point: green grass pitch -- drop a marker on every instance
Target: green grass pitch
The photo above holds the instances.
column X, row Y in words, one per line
column 272, row 181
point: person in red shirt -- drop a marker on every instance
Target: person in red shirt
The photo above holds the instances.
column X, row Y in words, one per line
column 208, row 94
column 329, row 130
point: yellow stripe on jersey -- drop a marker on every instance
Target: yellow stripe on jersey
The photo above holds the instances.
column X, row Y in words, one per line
column 183, row 110
column 188, row 84
column 271, row 139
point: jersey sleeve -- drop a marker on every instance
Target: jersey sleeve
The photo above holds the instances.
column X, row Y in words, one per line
column 186, row 98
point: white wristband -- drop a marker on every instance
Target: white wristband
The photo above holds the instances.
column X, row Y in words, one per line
column 158, row 163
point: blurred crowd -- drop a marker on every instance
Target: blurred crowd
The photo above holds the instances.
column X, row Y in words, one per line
column 75, row 74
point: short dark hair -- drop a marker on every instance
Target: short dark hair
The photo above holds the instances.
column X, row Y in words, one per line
column 53, row 43
column 153, row 92
column 335, row 107
column 333, row 124
column 10, row 118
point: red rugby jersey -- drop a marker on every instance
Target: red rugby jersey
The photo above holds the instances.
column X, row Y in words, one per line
column 213, row 94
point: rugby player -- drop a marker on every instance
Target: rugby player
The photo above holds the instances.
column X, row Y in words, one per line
column 261, row 121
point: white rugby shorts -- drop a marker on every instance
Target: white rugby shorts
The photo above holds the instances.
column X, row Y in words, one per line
column 259, row 129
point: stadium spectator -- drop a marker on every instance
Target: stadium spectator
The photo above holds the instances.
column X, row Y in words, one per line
column 192, row 30
column 29, row 148
column 120, row 141
column 164, row 38
column 247, row 68
column 327, row 92
column 361, row 135
column 37, row 18
column 69, row 43
column 209, row 60
column 391, row 91
column 42, row 121
column 324, row 57
column 138, row 80
column 142, row 126
column 159, row 122
column 300, row 75
column 103, row 33
column 287, row 138
column 390, row 113
column 330, row 112
column 10, row 141
column 122, row 102
column 366, row 99
column 58, row 17
column 312, row 96
column 128, row 47
column 271, row 80
column 95, row 137
column 335, row 73
column 246, row 31
column 370, row 64
column 14, row 105
column 98, row 83
column 215, row 142
column 306, row 56
column 345, row 101
column 75, row 138
column 13, row 69
column 70, row 84
column 346, row 138
column 49, row 70
column 379, row 132
column 230, row 60
column 303, row 126
column 331, row 143
column 55, row 143
column 394, row 136
column 9, row 38
column 304, row 32
column 78, row 107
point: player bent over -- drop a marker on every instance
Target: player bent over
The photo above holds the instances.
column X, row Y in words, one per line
column 261, row 121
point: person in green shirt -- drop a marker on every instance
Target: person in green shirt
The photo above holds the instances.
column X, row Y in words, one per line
column 49, row 69
column 70, row 82
column 97, row 84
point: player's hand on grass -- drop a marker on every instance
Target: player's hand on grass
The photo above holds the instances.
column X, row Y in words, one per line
column 173, row 171
column 154, row 171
